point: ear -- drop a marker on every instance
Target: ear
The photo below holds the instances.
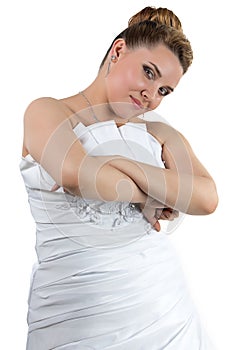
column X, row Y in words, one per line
column 118, row 47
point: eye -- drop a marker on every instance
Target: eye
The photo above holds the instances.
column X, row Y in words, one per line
column 149, row 72
column 163, row 91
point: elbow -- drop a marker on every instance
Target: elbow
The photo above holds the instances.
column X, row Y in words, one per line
column 69, row 180
column 210, row 200
column 213, row 204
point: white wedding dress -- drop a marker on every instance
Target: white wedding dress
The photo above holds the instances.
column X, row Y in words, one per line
column 104, row 278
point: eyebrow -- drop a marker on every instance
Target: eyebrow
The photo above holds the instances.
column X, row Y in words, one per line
column 156, row 69
column 160, row 75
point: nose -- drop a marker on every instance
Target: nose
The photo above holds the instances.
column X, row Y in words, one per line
column 152, row 97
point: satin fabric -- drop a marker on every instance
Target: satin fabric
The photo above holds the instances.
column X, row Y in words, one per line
column 104, row 278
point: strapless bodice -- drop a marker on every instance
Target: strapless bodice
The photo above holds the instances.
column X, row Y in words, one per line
column 105, row 279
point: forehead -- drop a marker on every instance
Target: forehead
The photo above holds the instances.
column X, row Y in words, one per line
column 166, row 61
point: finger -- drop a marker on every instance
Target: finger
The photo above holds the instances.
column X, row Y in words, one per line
column 169, row 217
column 155, row 223
column 158, row 212
column 169, row 214
column 148, row 213
column 176, row 213
column 55, row 188
column 157, row 226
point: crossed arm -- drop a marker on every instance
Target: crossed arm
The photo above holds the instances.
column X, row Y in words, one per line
column 185, row 185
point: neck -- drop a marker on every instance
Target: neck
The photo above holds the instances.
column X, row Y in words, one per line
column 98, row 102
column 99, row 105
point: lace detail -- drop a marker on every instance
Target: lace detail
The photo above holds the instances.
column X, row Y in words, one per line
column 97, row 212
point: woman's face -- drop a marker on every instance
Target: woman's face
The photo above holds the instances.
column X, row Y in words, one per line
column 139, row 79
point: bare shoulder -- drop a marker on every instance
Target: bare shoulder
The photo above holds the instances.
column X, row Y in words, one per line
column 42, row 117
column 45, row 106
column 164, row 132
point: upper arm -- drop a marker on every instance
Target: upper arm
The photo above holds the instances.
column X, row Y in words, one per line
column 50, row 140
column 177, row 153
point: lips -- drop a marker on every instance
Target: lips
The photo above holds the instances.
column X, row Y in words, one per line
column 136, row 102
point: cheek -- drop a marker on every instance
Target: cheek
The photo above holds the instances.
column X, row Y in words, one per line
column 132, row 78
column 121, row 81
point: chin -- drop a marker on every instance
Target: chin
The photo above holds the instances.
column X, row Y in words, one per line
column 125, row 110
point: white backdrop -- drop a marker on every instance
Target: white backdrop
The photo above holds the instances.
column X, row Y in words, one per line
column 53, row 48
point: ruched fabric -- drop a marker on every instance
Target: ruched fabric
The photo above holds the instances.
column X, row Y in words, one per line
column 104, row 278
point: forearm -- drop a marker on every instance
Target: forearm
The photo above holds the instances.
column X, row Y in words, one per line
column 113, row 178
column 184, row 192
column 97, row 179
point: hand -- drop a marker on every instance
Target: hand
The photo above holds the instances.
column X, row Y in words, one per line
column 150, row 212
column 56, row 187
column 153, row 215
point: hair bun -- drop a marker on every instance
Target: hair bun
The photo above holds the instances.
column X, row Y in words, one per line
column 159, row 15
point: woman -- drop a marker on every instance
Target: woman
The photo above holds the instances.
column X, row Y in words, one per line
column 99, row 178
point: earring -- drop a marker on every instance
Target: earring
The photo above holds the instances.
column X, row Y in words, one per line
column 113, row 58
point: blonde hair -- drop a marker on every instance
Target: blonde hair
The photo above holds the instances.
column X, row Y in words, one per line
column 160, row 15
column 150, row 27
